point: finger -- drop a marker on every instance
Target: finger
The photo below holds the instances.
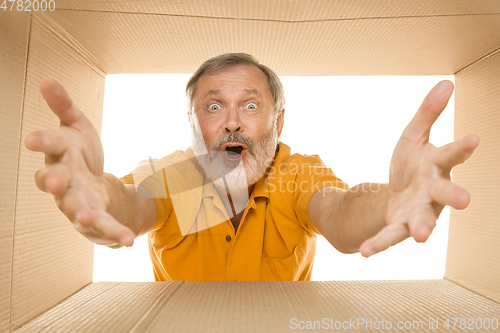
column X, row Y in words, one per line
column 75, row 208
column 422, row 222
column 60, row 103
column 99, row 223
column 53, row 179
column 48, row 142
column 72, row 203
column 434, row 103
column 445, row 192
column 104, row 224
column 388, row 236
column 456, row 152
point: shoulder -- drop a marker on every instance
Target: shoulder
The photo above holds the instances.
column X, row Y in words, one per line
column 290, row 164
column 299, row 176
column 153, row 167
column 178, row 156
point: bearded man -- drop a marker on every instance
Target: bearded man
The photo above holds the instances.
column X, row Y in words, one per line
column 237, row 205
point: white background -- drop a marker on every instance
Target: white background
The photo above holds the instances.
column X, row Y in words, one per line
column 352, row 123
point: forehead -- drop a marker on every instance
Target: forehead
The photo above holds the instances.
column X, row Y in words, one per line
column 238, row 78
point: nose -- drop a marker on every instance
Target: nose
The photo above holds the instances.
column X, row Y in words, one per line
column 233, row 124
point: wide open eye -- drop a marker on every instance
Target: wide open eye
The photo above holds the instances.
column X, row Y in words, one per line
column 214, row 107
column 251, row 106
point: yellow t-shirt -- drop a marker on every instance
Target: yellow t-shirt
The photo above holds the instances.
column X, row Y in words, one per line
column 275, row 239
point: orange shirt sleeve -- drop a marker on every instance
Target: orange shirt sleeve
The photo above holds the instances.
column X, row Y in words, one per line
column 310, row 175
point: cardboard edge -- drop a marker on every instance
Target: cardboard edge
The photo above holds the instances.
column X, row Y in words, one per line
column 26, row 61
column 484, row 57
column 150, row 317
column 34, row 321
column 469, row 288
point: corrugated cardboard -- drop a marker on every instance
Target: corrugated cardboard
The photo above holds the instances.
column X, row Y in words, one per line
column 14, row 34
column 51, row 261
column 198, row 306
column 43, row 260
column 138, row 43
column 288, row 11
column 473, row 258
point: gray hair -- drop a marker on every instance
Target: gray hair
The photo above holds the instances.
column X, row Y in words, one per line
column 223, row 61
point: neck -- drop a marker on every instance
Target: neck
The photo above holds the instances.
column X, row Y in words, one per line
column 236, row 201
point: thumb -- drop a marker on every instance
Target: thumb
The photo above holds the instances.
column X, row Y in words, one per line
column 389, row 235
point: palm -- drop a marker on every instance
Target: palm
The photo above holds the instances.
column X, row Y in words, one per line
column 84, row 160
column 419, row 182
column 74, row 166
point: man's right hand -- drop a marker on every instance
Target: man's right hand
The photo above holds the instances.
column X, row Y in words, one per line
column 73, row 171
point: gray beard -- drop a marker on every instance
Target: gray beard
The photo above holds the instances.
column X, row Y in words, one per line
column 234, row 177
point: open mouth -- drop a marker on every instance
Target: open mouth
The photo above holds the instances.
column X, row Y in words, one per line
column 234, row 151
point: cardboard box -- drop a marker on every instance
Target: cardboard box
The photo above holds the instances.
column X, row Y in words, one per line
column 46, row 266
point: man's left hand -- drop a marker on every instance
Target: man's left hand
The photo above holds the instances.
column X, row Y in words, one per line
column 419, row 182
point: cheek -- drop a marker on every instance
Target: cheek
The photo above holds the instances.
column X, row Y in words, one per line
column 264, row 127
column 210, row 132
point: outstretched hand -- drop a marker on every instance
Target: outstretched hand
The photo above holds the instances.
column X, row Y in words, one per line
column 73, row 171
column 419, row 182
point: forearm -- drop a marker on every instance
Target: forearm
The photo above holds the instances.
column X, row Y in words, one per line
column 359, row 215
column 120, row 204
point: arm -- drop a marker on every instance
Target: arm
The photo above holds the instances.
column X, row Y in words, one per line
column 347, row 218
column 419, row 188
column 138, row 212
column 99, row 205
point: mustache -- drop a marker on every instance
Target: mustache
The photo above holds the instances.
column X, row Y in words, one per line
column 237, row 138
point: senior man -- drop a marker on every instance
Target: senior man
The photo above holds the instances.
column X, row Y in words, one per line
column 237, row 205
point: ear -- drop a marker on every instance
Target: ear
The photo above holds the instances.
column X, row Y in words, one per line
column 280, row 121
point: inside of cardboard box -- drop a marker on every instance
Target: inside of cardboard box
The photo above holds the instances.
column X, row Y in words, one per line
column 44, row 263
column 194, row 306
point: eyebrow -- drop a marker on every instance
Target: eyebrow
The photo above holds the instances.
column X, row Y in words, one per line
column 246, row 91
column 251, row 91
column 213, row 92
